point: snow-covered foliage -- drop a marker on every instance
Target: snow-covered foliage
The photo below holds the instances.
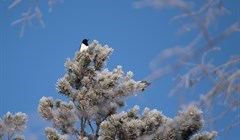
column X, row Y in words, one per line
column 95, row 94
column 11, row 126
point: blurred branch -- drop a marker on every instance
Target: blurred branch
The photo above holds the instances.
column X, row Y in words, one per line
column 14, row 3
column 191, row 55
column 224, row 78
column 27, row 17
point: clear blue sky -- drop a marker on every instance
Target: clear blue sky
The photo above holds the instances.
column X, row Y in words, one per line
column 30, row 66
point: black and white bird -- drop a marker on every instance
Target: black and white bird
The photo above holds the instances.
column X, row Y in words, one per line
column 84, row 45
column 146, row 84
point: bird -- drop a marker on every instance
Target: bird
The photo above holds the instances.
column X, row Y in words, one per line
column 84, row 45
column 146, row 84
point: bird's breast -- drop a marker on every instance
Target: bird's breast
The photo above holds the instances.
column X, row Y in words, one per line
column 83, row 47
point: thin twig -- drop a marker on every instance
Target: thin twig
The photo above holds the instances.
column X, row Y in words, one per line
column 89, row 123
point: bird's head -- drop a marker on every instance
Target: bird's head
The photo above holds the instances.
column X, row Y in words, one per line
column 85, row 41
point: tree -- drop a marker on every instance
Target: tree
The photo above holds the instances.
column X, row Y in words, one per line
column 95, row 94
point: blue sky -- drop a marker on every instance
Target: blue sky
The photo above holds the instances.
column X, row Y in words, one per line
column 31, row 65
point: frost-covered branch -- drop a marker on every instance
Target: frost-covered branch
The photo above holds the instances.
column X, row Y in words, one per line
column 190, row 61
column 12, row 125
column 153, row 125
column 52, row 134
column 33, row 13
